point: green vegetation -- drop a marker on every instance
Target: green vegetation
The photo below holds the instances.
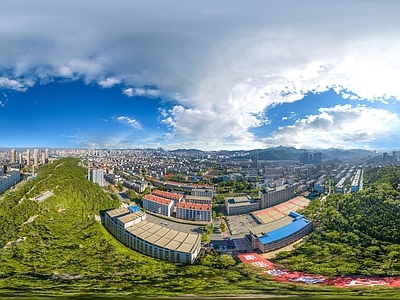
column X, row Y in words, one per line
column 59, row 247
column 359, row 233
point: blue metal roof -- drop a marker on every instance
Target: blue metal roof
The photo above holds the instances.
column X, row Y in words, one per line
column 284, row 231
column 134, row 208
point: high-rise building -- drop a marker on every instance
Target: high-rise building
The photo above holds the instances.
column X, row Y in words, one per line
column 304, row 158
column 97, row 176
column 317, row 157
column 20, row 158
column 13, row 156
column 385, row 159
column 36, row 157
column 47, row 155
column 255, row 161
column 28, row 157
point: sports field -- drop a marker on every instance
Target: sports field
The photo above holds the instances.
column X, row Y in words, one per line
column 276, row 212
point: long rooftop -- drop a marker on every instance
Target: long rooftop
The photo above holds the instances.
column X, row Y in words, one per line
column 157, row 199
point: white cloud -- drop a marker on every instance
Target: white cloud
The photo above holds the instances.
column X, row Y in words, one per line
column 109, row 82
column 141, row 92
column 340, row 126
column 129, row 121
column 223, row 64
column 82, row 140
column 15, row 84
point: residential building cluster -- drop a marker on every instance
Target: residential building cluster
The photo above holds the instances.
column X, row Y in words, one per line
column 180, row 206
column 182, row 185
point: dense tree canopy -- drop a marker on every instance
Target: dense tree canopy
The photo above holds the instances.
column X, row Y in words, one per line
column 358, row 233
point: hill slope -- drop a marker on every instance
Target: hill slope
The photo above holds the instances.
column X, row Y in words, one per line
column 57, row 247
column 359, row 233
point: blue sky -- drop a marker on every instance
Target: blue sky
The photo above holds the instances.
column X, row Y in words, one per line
column 206, row 75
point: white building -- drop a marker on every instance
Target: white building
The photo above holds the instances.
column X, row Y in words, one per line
column 8, row 180
column 158, row 205
column 273, row 196
column 97, row 176
column 133, row 230
column 241, row 205
column 193, row 211
column 168, row 195
column 13, row 156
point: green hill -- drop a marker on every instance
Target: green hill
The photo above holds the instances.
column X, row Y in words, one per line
column 359, row 233
column 59, row 247
column 279, row 153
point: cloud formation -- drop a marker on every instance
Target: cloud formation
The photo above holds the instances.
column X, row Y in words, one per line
column 222, row 65
column 342, row 125
column 129, row 121
column 141, row 92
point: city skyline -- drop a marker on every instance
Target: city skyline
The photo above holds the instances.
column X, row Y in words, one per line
column 210, row 76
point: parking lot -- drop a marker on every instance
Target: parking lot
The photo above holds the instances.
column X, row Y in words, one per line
column 223, row 244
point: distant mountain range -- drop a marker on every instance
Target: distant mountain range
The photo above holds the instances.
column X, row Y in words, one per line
column 287, row 153
column 291, row 153
column 277, row 153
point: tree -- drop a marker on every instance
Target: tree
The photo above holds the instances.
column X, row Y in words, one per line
column 222, row 226
column 206, row 239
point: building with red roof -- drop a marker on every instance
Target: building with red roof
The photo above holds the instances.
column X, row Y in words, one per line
column 193, row 211
column 158, row 204
column 168, row 195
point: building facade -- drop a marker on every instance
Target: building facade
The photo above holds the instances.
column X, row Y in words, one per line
column 193, row 211
column 158, row 205
column 198, row 199
column 168, row 195
column 133, row 230
column 8, row 180
column 273, row 196
column 297, row 227
column 202, row 192
column 97, row 176
column 240, row 205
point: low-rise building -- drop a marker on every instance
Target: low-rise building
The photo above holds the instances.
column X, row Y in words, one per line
column 158, row 205
column 168, row 195
column 202, row 192
column 241, row 205
column 198, row 199
column 280, row 233
column 193, row 211
column 133, row 230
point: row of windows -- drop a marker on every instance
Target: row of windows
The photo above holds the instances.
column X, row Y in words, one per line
column 193, row 214
column 282, row 242
column 144, row 247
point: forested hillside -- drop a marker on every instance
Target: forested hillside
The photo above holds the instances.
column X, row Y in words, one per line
column 58, row 247
column 359, row 233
